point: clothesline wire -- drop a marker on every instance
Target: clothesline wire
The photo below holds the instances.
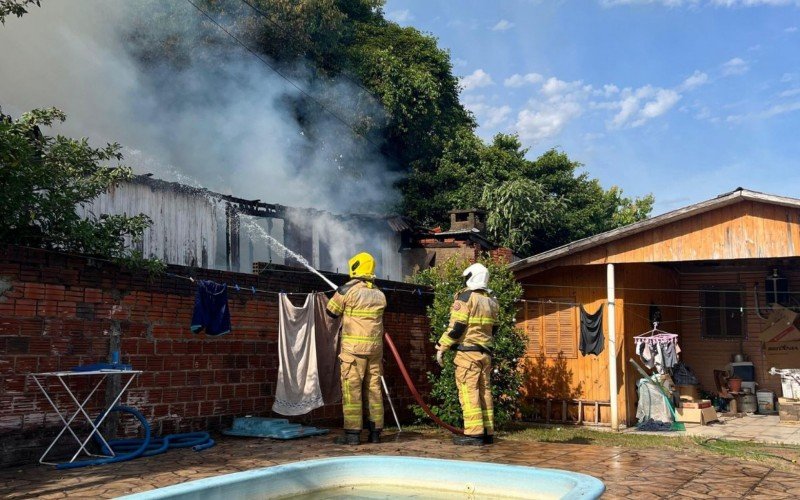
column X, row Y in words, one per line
column 677, row 306
column 603, row 287
column 253, row 289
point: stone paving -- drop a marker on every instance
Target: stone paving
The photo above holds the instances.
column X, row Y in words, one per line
column 627, row 473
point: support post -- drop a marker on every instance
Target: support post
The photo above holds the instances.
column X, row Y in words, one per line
column 612, row 348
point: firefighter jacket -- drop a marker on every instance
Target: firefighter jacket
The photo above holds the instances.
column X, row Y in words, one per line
column 361, row 304
column 472, row 320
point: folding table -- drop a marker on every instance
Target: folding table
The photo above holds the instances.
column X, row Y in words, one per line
column 127, row 377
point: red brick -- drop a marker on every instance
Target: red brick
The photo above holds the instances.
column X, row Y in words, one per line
column 25, row 308
column 92, row 295
column 35, row 291
column 46, row 308
column 54, row 292
column 26, row 364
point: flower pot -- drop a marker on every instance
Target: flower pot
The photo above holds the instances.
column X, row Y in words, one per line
column 735, row 384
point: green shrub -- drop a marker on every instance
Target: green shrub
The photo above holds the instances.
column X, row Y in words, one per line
column 509, row 345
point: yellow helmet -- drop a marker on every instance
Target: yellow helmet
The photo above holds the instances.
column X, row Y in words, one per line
column 362, row 266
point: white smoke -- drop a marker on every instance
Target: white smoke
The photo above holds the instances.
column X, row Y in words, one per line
column 227, row 122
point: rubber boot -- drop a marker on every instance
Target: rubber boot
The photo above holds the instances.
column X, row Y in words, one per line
column 349, row 438
column 468, row 440
column 374, row 434
column 488, row 438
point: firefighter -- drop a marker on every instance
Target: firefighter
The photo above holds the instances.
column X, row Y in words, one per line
column 473, row 324
column 361, row 352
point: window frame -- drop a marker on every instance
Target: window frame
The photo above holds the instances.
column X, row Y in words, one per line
column 722, row 293
column 535, row 310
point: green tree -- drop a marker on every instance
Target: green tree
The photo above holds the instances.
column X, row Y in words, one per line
column 516, row 211
column 509, row 344
column 45, row 179
column 15, row 8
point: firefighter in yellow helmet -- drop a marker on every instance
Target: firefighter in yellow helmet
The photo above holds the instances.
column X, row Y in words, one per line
column 473, row 324
column 361, row 352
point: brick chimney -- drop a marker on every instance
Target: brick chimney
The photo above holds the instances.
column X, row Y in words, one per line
column 467, row 220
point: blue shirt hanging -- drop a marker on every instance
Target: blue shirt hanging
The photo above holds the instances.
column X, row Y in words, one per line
column 211, row 313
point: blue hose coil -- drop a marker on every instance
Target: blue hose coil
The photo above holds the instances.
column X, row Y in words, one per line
column 128, row 449
column 121, row 457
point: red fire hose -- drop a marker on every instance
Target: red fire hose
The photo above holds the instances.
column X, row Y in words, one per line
column 438, row 421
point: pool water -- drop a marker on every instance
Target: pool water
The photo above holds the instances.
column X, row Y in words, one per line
column 394, row 492
column 378, row 477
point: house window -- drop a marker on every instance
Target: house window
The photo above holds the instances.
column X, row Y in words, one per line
column 550, row 327
column 722, row 314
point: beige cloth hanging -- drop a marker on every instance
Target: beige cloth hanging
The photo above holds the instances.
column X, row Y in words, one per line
column 298, row 389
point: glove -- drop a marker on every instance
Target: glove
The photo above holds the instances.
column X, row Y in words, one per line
column 439, row 358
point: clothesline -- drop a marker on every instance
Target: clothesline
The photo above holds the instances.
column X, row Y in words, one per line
column 677, row 306
column 603, row 287
column 255, row 290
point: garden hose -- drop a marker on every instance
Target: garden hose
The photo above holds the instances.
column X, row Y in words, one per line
column 410, row 383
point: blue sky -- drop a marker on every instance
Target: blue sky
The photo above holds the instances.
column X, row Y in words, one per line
column 685, row 99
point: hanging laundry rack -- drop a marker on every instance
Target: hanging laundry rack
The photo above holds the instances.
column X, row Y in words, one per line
column 655, row 336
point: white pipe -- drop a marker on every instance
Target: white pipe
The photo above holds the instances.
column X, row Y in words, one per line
column 612, row 348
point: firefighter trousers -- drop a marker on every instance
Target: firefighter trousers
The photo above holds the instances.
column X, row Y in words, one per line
column 361, row 372
column 473, row 370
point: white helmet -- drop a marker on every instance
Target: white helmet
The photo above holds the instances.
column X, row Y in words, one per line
column 476, row 277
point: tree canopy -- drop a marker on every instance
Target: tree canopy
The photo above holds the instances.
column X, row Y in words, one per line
column 45, row 179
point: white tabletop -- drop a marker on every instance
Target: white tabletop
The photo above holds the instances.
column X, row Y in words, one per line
column 93, row 372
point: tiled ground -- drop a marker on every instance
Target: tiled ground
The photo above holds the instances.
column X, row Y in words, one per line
column 627, row 473
column 762, row 428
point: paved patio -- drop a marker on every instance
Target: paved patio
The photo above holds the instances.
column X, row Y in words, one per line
column 757, row 428
column 627, row 473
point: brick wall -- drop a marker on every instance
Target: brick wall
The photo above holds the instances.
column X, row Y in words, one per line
column 59, row 311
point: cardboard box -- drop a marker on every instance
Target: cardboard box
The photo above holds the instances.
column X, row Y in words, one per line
column 783, row 325
column 696, row 415
column 782, row 354
column 696, row 404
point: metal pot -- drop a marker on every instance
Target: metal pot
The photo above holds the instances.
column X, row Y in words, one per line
column 739, row 358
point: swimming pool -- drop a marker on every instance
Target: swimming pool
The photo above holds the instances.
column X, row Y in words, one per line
column 385, row 477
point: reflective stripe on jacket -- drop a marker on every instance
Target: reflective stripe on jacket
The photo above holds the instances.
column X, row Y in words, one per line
column 362, row 305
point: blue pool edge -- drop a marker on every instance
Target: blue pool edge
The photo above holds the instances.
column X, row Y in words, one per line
column 585, row 486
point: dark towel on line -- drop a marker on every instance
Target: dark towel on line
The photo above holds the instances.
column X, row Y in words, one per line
column 592, row 338
column 211, row 314
column 327, row 338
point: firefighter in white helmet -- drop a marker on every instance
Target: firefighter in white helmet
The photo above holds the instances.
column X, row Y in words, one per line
column 473, row 323
column 361, row 304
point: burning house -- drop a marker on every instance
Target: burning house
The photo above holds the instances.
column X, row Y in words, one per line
column 201, row 228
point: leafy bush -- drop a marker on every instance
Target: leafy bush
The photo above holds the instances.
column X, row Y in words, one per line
column 509, row 346
column 45, row 179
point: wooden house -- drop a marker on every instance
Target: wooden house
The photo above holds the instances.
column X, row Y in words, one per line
column 703, row 270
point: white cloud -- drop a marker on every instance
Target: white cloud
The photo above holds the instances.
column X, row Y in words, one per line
column 736, row 66
column 780, row 109
column 503, row 25
column 459, row 63
column 790, row 92
column 697, row 79
column 490, row 116
column 790, row 29
column 559, row 103
column 400, row 16
column 636, row 107
column 542, row 120
column 518, row 80
column 479, row 78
